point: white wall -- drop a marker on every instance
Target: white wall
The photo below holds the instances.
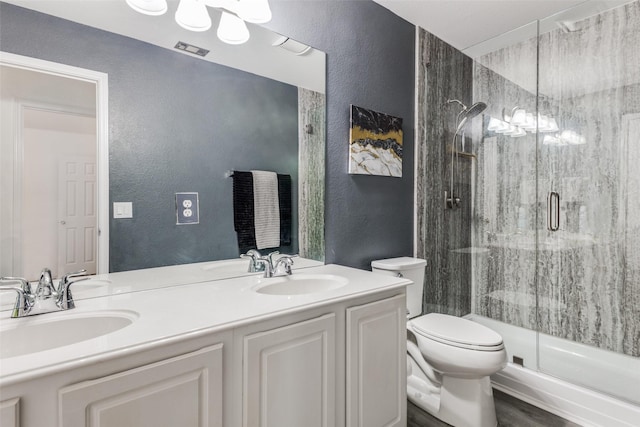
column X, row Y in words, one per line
column 44, row 149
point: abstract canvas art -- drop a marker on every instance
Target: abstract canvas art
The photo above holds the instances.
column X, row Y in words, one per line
column 375, row 143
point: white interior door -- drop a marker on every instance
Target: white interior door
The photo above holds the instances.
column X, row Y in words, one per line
column 77, row 215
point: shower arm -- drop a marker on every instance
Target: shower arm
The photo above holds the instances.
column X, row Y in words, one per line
column 452, row 201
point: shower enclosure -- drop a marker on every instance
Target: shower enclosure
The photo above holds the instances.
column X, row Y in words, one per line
column 545, row 244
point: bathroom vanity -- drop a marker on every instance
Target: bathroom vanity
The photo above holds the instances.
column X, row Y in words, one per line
column 322, row 347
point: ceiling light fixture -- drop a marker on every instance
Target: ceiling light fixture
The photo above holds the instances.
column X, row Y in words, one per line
column 232, row 30
column 192, row 15
column 148, row 7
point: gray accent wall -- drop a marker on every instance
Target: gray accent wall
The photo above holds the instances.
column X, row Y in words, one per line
column 176, row 124
column 370, row 63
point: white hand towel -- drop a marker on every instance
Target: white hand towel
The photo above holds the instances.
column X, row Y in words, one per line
column 266, row 209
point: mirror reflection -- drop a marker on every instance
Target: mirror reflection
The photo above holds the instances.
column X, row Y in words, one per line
column 176, row 123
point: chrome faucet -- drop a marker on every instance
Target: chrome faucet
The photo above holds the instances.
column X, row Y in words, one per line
column 46, row 298
column 24, row 300
column 254, row 266
column 281, row 267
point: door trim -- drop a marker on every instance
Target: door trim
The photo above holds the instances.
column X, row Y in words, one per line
column 102, row 136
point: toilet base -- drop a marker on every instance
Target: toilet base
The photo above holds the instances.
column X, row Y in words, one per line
column 460, row 402
column 467, row 402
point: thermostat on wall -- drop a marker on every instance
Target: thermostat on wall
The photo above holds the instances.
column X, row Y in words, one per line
column 187, row 208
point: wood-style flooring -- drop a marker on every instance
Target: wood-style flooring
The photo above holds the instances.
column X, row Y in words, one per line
column 511, row 412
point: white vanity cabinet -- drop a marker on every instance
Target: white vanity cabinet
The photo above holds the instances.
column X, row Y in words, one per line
column 289, row 375
column 376, row 364
column 183, row 391
column 222, row 355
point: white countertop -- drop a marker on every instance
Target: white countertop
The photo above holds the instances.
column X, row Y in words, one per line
column 172, row 313
column 159, row 277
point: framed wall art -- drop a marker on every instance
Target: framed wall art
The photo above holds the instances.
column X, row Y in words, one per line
column 375, row 143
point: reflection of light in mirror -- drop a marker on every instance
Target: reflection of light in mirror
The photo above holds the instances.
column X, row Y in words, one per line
column 517, row 123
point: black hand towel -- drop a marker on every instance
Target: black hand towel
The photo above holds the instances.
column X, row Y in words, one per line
column 284, row 194
column 243, row 212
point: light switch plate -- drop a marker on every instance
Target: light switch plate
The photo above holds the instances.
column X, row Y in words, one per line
column 187, row 208
column 122, row 210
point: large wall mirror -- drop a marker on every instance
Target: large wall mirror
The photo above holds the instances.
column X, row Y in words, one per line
column 173, row 122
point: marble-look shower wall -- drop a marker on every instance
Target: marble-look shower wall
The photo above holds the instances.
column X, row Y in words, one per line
column 443, row 235
column 311, row 159
column 505, row 204
column 588, row 273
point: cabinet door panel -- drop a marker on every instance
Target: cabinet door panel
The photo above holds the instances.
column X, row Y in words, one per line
column 182, row 391
column 376, row 364
column 289, row 375
column 10, row 413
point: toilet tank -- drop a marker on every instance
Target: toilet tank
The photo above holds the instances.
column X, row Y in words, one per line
column 410, row 268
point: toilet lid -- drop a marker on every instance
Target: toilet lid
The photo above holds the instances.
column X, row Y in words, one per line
column 457, row 331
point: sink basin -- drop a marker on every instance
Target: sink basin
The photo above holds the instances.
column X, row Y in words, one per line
column 300, row 284
column 45, row 332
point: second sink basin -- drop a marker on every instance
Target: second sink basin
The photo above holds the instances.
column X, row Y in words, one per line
column 45, row 332
column 300, row 284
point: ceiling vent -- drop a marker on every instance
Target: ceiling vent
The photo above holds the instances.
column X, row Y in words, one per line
column 191, row 49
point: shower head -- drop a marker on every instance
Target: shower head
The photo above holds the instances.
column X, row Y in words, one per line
column 475, row 109
column 467, row 113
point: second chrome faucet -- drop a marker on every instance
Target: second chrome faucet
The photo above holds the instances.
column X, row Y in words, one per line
column 271, row 267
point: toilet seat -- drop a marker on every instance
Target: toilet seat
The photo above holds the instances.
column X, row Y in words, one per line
column 457, row 332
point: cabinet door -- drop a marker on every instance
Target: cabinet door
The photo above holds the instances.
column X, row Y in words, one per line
column 376, row 364
column 182, row 391
column 10, row 413
column 289, row 375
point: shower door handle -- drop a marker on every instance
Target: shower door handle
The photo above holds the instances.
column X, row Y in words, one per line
column 553, row 211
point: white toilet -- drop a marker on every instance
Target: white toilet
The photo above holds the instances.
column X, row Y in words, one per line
column 448, row 369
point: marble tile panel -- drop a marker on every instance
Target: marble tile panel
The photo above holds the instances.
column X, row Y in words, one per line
column 311, row 173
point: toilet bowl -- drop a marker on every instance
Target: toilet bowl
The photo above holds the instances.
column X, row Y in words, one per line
column 449, row 359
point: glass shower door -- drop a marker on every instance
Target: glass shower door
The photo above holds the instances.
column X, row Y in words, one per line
column 589, row 199
column 504, row 218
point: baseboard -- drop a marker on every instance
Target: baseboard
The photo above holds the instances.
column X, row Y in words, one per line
column 576, row 404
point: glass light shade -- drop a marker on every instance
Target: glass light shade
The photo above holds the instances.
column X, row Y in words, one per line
column 518, row 133
column 503, row 127
column 530, row 122
column 494, row 124
column 192, row 15
column 552, row 125
column 511, row 130
column 232, row 30
column 551, row 140
column 543, row 123
column 254, row 11
column 148, row 7
column 519, row 117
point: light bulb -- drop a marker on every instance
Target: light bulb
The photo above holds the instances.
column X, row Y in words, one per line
column 232, row 29
column 192, row 15
column 494, row 124
column 552, row 125
column 148, row 7
column 254, row 11
column 519, row 117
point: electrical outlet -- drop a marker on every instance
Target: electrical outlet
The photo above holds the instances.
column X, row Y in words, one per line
column 187, row 208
